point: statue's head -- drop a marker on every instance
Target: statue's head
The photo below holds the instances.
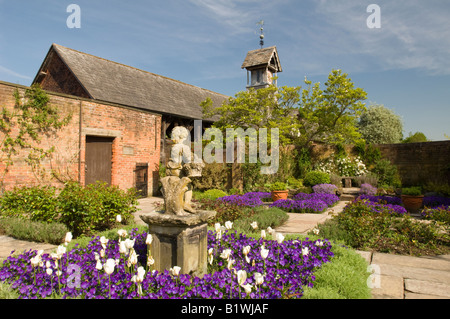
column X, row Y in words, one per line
column 179, row 134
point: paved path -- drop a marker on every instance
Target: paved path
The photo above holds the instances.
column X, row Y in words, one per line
column 400, row 277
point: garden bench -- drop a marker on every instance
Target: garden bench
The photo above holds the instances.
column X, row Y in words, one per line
column 347, row 181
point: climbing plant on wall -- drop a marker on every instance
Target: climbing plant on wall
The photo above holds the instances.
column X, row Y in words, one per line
column 23, row 126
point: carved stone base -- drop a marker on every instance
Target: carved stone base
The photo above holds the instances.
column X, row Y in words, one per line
column 179, row 241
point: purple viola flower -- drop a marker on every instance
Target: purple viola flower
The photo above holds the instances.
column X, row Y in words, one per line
column 286, row 271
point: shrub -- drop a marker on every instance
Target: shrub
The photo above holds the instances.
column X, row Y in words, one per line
column 441, row 214
column 36, row 231
column 294, row 183
column 264, row 217
column 412, row 191
column 212, row 194
column 373, row 226
column 386, row 173
column 367, row 189
column 325, row 189
column 214, row 176
column 278, row 186
column 37, row 203
column 85, row 210
column 315, row 177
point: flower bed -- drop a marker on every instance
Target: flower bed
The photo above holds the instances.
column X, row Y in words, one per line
column 239, row 266
column 251, row 199
column 307, row 203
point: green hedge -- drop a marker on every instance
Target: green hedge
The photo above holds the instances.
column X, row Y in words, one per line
column 83, row 210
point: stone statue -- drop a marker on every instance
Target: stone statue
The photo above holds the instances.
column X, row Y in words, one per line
column 177, row 188
column 180, row 233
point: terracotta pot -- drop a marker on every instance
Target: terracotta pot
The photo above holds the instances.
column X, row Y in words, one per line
column 276, row 195
column 412, row 203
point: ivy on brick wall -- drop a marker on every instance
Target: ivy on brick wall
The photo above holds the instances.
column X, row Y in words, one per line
column 24, row 125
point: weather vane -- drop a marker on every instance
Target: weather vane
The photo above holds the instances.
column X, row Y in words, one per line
column 261, row 36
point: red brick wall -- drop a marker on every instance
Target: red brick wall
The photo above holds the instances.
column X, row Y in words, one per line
column 136, row 140
column 420, row 163
column 58, row 78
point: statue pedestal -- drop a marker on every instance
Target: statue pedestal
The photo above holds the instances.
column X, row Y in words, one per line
column 179, row 241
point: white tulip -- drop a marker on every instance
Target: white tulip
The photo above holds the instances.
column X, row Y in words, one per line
column 270, row 230
column 150, row 260
column 305, row 251
column 140, row 274
column 118, row 218
column 217, row 227
column 247, row 288
column 210, row 251
column 129, row 243
column 316, row 231
column 97, row 256
column 47, row 264
column 68, row 237
column 109, row 266
column 241, row 277
column 149, row 239
column 279, row 237
column 228, row 225
column 246, row 250
column 259, row 278
column 103, row 241
column 230, row 264
column 98, row 266
column 175, row 271
column 254, row 225
column 122, row 248
column 225, row 253
column 102, row 253
column 49, row 271
column 35, row 260
column 133, row 257
column 264, row 253
column 122, row 233
column 263, row 234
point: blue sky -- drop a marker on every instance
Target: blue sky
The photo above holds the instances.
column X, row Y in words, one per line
column 404, row 64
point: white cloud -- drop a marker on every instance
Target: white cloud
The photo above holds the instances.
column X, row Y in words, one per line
column 413, row 35
column 14, row 74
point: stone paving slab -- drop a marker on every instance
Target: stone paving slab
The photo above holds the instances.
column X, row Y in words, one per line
column 427, row 288
column 8, row 244
column 388, row 287
column 409, row 261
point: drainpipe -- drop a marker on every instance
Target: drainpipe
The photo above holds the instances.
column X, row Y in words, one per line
column 80, row 141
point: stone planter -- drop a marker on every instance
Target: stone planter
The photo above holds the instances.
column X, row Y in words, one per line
column 276, row 195
column 412, row 203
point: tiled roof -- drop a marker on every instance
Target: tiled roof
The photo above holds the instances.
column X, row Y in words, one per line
column 117, row 83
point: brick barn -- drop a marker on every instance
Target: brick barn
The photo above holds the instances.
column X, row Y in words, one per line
column 120, row 118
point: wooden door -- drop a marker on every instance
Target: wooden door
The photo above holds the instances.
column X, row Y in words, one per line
column 98, row 159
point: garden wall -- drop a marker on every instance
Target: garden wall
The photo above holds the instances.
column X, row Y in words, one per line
column 420, row 163
column 135, row 136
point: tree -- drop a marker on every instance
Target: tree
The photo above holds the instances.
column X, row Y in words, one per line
column 380, row 125
column 269, row 107
column 302, row 116
column 417, row 137
column 330, row 115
